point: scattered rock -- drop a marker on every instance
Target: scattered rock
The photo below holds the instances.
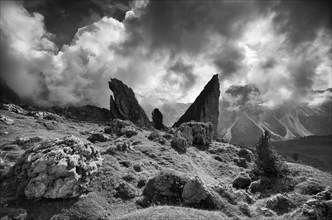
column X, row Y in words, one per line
column 156, row 137
column 124, row 105
column 121, row 127
column 218, row 158
column 123, row 146
column 179, row 143
column 128, row 131
column 98, row 137
column 46, row 116
column 197, row 133
column 320, row 207
column 280, row 204
column 194, row 191
column 206, row 106
column 13, row 214
column 27, row 142
column 6, row 120
column 243, row 180
column 14, row 108
column 265, row 212
column 58, row 168
column 126, row 191
column 246, row 154
column 241, row 162
column 244, row 208
column 125, row 163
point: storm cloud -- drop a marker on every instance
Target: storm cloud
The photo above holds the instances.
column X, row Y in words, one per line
column 63, row 52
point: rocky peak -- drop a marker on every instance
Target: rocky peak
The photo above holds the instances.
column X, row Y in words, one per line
column 206, row 106
column 124, row 105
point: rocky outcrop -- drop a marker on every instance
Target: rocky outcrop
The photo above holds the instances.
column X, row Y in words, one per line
column 197, row 133
column 157, row 119
column 124, row 105
column 320, row 207
column 59, row 168
column 206, row 106
column 121, row 127
column 179, row 143
column 165, row 188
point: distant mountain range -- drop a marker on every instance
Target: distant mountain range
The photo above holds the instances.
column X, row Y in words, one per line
column 243, row 118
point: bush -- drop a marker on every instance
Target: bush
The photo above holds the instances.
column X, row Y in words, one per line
column 267, row 160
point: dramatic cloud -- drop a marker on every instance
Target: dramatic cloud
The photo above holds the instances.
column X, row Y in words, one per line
column 64, row 52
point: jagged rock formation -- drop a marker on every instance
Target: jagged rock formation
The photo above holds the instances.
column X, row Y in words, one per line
column 206, row 106
column 157, row 119
column 7, row 95
column 124, row 105
column 58, row 168
column 197, row 133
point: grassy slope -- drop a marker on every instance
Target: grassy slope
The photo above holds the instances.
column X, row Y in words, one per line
column 314, row 151
column 151, row 157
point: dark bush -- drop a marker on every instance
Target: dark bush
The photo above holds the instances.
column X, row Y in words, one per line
column 267, row 160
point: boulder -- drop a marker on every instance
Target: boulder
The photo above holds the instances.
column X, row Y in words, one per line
column 280, row 203
column 98, row 137
column 156, row 137
column 126, row 191
column 124, row 105
column 194, row 191
column 260, row 185
column 243, row 180
column 241, row 162
column 265, row 212
column 7, row 121
column 121, row 127
column 206, row 106
column 58, row 168
column 165, row 188
column 179, row 143
column 197, row 133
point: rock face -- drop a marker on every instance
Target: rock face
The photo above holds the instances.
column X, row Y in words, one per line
column 59, row 168
column 124, row 105
column 206, row 106
column 197, row 133
column 157, row 119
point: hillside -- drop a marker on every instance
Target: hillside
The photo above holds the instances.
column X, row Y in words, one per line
column 120, row 187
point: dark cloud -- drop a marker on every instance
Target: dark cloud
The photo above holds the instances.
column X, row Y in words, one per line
column 64, row 17
column 301, row 20
column 243, row 94
column 269, row 63
column 303, row 73
column 184, row 72
column 185, row 26
column 229, row 61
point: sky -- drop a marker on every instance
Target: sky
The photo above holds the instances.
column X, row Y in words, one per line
column 63, row 52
